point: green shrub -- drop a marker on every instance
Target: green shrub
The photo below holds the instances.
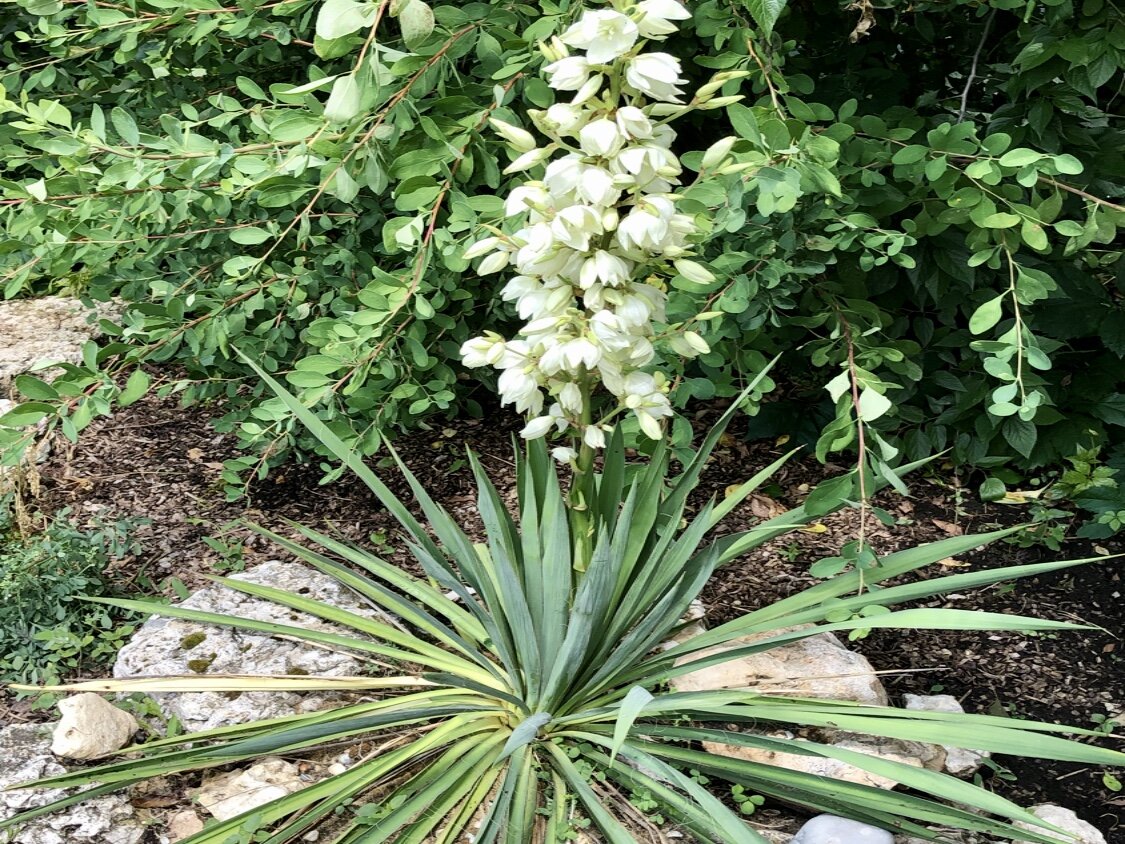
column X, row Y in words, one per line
column 46, row 632
column 931, row 213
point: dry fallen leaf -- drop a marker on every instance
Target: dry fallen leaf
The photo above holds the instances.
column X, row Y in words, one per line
column 765, row 507
column 1020, row 496
column 948, row 527
column 951, row 563
column 195, row 454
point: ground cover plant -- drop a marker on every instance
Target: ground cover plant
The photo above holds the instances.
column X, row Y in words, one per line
column 532, row 679
column 305, row 176
column 46, row 632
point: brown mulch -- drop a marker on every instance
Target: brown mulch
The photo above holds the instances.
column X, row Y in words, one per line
column 162, row 462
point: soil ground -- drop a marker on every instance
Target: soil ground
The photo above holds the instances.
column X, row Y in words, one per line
column 158, row 461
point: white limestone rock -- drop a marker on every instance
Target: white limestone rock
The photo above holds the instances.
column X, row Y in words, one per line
column 229, row 795
column 165, row 646
column 829, row 829
column 818, row 666
column 958, row 761
column 91, row 727
column 823, row 766
column 26, row 754
column 1082, row 832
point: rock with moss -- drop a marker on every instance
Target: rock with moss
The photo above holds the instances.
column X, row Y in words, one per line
column 165, row 646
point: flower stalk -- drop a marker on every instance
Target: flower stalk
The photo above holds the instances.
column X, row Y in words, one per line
column 596, row 237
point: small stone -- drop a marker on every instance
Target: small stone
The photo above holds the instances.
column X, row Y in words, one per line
column 1082, row 832
column 183, row 825
column 958, row 761
column 91, row 727
column 818, row 666
column 231, row 794
column 26, row 754
column 829, row 829
column 337, row 769
column 774, row 836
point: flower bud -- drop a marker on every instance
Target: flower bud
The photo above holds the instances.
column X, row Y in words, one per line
column 694, row 271
column 481, row 247
column 493, row 263
column 528, row 160
column 718, row 81
column 553, row 50
column 696, row 342
column 520, row 139
column 721, row 102
column 717, row 152
column 589, row 89
column 610, row 219
column 737, row 167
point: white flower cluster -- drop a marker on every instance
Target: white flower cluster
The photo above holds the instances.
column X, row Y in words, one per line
column 601, row 227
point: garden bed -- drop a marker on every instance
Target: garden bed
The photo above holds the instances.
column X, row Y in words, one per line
column 158, row 461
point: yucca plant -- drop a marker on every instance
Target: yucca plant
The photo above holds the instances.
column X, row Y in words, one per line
column 533, row 683
column 531, row 691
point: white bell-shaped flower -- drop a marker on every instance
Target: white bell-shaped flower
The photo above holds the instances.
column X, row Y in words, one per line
column 604, row 34
column 589, row 89
column 574, row 226
column 481, row 247
column 605, row 267
column 594, row 436
column 482, row 351
column 530, row 196
column 596, row 186
column 564, row 454
column 633, row 123
column 563, row 119
column 655, row 75
column 528, row 160
column 601, row 138
column 541, row 425
column 570, row 398
column 644, row 396
column 646, row 225
column 656, row 16
column 568, row 74
column 519, row 387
